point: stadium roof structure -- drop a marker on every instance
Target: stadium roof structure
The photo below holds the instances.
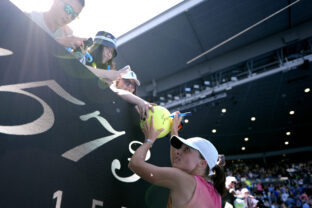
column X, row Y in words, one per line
column 264, row 73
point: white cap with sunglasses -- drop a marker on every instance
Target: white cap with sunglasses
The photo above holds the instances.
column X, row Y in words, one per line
column 229, row 180
column 131, row 75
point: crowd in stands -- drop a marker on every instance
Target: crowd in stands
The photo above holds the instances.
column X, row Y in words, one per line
column 277, row 185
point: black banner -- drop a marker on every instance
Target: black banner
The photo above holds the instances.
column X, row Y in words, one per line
column 65, row 137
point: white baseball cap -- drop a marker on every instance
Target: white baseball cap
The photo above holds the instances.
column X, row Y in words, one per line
column 131, row 75
column 244, row 191
column 229, row 180
column 205, row 147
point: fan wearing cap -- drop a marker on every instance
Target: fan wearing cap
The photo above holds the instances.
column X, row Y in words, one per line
column 229, row 197
column 124, row 82
column 103, row 51
column 194, row 180
column 128, row 81
column 125, row 86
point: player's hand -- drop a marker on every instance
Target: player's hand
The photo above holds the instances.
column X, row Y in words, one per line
column 176, row 121
column 149, row 131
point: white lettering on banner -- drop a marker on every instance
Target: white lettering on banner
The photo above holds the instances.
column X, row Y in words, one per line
column 58, row 196
column 78, row 152
column 46, row 120
column 96, row 203
column 116, row 165
column 5, row 52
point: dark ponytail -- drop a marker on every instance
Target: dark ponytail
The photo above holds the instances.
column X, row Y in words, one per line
column 218, row 179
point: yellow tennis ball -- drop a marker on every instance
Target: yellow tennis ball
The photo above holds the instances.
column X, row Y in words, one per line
column 161, row 120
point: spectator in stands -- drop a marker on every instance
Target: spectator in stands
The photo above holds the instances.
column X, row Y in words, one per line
column 229, row 197
column 290, row 200
column 55, row 21
column 304, row 197
column 266, row 203
column 271, row 188
column 276, row 194
column 259, row 188
column 305, row 205
column 195, row 180
column 277, row 183
column 248, row 200
column 284, row 195
column 274, row 205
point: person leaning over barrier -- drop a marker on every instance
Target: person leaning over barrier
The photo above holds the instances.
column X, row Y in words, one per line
column 55, row 21
column 195, row 180
column 124, row 82
column 125, row 86
column 103, row 52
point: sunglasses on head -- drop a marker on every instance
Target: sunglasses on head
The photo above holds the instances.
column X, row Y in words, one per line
column 70, row 11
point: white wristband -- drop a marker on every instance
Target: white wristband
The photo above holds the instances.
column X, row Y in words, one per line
column 149, row 141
